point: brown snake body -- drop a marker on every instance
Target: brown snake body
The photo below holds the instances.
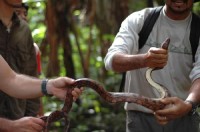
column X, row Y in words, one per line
column 111, row 97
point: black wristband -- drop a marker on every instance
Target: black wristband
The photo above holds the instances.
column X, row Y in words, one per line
column 44, row 87
column 194, row 107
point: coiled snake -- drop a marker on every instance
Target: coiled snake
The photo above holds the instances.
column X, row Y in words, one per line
column 111, row 97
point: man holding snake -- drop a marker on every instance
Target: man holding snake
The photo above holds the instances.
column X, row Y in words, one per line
column 179, row 73
column 21, row 86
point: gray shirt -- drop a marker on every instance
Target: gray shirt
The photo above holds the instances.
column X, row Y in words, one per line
column 180, row 70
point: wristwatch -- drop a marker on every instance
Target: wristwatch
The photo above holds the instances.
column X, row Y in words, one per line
column 194, row 107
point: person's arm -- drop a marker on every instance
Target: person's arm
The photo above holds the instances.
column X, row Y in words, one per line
column 155, row 57
column 21, row 86
column 176, row 107
column 194, row 95
column 21, row 125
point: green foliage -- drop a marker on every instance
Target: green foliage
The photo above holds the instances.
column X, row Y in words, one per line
column 95, row 114
column 36, row 19
column 196, row 8
column 136, row 5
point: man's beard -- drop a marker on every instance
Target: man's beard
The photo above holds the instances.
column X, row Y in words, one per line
column 185, row 1
column 178, row 9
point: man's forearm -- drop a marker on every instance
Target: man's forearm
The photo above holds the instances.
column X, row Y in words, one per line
column 10, row 80
column 122, row 62
column 28, row 87
column 194, row 94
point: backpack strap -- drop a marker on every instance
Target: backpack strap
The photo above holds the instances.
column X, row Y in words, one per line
column 194, row 34
column 122, row 84
column 148, row 25
column 144, row 34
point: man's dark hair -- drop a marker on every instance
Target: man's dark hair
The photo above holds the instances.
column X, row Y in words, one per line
column 25, row 5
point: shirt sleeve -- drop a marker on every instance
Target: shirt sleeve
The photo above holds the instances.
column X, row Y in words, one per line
column 126, row 40
column 195, row 73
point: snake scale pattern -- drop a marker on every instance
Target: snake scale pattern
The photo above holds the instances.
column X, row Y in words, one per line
column 111, row 97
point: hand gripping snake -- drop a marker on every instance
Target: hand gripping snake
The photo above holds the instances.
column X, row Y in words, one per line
column 111, row 97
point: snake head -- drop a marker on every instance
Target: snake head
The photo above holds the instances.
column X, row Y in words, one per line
column 165, row 44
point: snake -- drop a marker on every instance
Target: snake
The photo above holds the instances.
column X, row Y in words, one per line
column 153, row 104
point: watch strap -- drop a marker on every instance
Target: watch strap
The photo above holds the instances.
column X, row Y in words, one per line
column 194, row 106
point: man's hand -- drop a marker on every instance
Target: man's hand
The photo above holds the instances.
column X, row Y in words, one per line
column 156, row 57
column 26, row 124
column 58, row 87
column 175, row 108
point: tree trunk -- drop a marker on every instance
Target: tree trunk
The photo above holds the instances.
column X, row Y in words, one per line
column 58, row 26
column 53, row 65
column 109, row 16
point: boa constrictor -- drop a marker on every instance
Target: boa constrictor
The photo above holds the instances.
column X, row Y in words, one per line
column 111, row 97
